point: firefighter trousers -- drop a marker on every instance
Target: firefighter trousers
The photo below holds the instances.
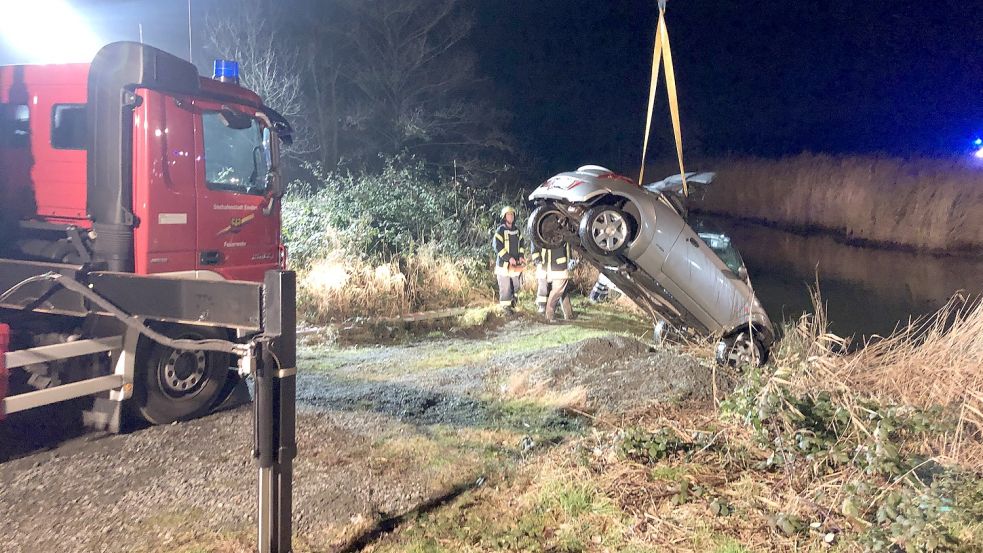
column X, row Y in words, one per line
column 542, row 293
column 558, row 295
column 508, row 289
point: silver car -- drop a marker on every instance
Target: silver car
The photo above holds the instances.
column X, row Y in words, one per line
column 639, row 238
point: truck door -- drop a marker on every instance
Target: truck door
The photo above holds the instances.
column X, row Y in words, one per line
column 238, row 227
column 164, row 190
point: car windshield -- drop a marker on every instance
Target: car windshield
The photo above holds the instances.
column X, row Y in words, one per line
column 237, row 156
column 721, row 245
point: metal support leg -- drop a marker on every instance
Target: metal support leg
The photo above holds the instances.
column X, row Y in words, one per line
column 275, row 415
column 264, row 416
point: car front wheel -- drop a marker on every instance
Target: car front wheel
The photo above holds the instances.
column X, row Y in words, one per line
column 741, row 349
column 604, row 230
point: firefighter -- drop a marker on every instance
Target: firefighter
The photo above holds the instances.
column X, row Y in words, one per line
column 556, row 264
column 510, row 259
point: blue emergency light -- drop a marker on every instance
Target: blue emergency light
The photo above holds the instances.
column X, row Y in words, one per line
column 978, row 142
column 226, row 71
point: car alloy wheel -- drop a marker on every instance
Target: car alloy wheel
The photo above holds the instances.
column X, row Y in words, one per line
column 739, row 350
column 604, row 230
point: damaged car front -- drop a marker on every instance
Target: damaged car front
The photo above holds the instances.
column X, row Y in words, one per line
column 638, row 237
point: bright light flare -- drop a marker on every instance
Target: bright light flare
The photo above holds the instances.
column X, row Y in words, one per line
column 328, row 275
column 47, row 31
column 978, row 154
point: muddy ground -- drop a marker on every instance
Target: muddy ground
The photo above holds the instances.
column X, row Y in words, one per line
column 382, row 431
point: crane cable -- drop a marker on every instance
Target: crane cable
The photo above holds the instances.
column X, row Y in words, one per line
column 661, row 51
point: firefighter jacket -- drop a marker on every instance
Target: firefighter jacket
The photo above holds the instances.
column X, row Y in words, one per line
column 552, row 263
column 508, row 245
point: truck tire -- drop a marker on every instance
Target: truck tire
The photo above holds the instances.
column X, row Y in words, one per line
column 176, row 385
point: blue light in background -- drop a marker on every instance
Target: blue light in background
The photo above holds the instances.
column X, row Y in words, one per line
column 978, row 142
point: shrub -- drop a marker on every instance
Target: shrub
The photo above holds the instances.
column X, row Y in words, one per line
column 388, row 214
column 388, row 243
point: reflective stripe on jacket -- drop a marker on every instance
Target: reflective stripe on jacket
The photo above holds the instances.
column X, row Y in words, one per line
column 507, row 245
column 552, row 263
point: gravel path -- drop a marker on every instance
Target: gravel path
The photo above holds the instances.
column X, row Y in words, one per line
column 163, row 488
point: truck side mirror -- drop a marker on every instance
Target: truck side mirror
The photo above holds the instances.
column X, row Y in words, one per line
column 274, row 190
column 235, row 120
column 276, row 183
column 272, row 150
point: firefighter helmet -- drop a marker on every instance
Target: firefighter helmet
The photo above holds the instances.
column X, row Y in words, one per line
column 506, row 210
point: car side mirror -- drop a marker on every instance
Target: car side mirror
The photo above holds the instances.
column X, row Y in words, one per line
column 742, row 273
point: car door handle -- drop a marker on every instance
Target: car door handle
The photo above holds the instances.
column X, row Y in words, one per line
column 693, row 242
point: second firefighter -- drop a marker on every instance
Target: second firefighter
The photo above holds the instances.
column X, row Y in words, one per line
column 552, row 279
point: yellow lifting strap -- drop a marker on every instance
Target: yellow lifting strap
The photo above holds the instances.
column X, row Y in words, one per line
column 662, row 44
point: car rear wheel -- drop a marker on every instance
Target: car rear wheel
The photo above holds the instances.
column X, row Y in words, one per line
column 605, row 230
column 548, row 227
column 741, row 349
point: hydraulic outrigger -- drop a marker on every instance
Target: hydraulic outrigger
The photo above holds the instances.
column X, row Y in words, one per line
column 267, row 311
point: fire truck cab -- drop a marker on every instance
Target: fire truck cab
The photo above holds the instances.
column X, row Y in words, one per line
column 135, row 165
column 135, row 161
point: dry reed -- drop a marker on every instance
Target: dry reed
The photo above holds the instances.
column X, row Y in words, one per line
column 519, row 386
column 922, row 203
column 341, row 287
column 932, row 361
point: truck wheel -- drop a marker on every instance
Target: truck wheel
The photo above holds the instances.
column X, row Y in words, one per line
column 548, row 227
column 739, row 349
column 604, row 230
column 176, row 385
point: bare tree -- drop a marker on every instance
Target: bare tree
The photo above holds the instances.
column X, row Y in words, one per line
column 414, row 84
column 267, row 66
column 359, row 78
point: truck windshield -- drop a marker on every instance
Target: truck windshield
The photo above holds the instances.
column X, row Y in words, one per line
column 236, row 159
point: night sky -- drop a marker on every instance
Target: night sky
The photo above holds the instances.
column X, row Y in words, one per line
column 765, row 78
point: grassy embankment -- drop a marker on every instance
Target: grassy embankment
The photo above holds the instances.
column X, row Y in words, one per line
column 874, row 450
column 924, row 204
column 878, row 450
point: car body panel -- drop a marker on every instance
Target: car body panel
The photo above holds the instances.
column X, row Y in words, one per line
column 668, row 267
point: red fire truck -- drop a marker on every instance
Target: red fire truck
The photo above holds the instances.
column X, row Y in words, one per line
column 139, row 217
column 140, row 252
